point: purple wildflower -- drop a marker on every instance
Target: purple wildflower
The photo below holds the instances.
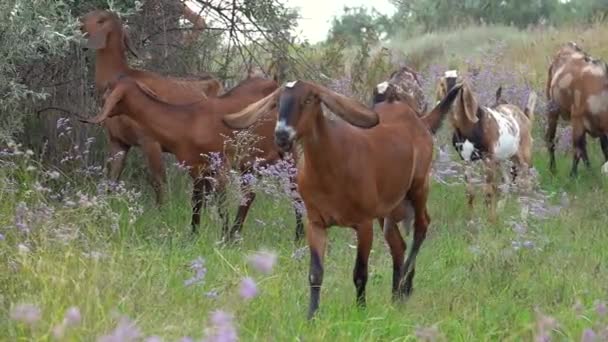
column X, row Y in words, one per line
column 26, row 313
column 72, row 316
column 222, row 328
column 299, row 253
column 263, row 261
column 601, row 309
column 126, row 331
column 428, row 334
column 20, row 219
column 154, row 339
column 248, row 288
column 589, row 335
column 199, row 269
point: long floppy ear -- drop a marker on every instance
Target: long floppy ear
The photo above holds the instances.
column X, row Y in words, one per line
column 441, row 89
column 110, row 101
column 352, row 111
column 97, row 40
column 127, row 42
column 468, row 103
column 250, row 114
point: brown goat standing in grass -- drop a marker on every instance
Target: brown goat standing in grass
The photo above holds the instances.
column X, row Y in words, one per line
column 193, row 131
column 105, row 34
column 374, row 164
column 403, row 84
column 492, row 134
column 577, row 90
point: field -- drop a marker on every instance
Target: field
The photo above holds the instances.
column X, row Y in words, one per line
column 541, row 271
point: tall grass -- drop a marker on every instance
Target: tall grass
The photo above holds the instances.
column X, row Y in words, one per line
column 82, row 259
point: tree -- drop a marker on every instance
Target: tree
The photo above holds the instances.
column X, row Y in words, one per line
column 357, row 22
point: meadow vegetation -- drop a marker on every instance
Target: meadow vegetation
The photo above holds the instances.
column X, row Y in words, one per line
column 81, row 258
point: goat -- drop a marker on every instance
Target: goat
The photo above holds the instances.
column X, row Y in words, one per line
column 374, row 165
column 194, row 130
column 492, row 134
column 104, row 33
column 577, row 90
column 404, row 85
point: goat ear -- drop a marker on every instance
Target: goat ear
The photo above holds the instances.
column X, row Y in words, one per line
column 350, row 110
column 469, row 104
column 250, row 114
column 127, row 42
column 498, row 94
column 440, row 90
column 110, row 102
column 97, row 40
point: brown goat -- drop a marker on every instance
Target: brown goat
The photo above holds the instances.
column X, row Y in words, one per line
column 492, row 134
column 192, row 131
column 104, row 33
column 404, row 85
column 577, row 89
column 374, row 164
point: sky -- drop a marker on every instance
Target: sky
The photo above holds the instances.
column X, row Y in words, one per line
column 317, row 14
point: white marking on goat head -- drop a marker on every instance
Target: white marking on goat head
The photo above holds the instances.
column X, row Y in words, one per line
column 282, row 126
column 291, row 84
column 451, row 73
column 507, row 144
column 381, row 87
column 467, row 150
column 598, row 103
column 605, row 168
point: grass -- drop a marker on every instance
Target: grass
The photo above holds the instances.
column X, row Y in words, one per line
column 471, row 283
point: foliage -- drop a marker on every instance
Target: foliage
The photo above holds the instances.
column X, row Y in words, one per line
column 358, row 24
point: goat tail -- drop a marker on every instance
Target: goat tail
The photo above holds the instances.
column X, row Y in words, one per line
column 435, row 118
column 529, row 110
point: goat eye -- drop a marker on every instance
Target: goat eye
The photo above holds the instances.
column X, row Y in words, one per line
column 101, row 21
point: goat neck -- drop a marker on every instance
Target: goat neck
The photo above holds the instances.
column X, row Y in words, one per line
column 111, row 60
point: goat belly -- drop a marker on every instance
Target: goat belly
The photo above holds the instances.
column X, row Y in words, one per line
column 507, row 144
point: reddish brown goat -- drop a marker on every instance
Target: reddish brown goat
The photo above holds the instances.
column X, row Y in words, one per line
column 193, row 131
column 577, row 89
column 374, row 164
column 105, row 34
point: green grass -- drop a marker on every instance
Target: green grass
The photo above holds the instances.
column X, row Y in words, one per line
column 484, row 293
column 470, row 282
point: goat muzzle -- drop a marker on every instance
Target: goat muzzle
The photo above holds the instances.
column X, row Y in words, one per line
column 284, row 138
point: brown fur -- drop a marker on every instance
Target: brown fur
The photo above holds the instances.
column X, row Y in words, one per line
column 190, row 130
column 577, row 87
column 374, row 164
column 105, row 34
column 475, row 124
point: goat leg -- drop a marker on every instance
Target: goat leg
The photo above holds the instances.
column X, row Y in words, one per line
column 297, row 204
column 198, row 194
column 491, row 187
column 248, row 197
column 470, row 191
column 421, row 223
column 397, row 247
column 116, row 160
column 365, row 238
column 579, row 142
column 604, row 144
column 317, row 243
column 153, row 152
column 552, row 118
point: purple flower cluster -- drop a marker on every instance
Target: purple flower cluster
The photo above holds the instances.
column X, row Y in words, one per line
column 198, row 267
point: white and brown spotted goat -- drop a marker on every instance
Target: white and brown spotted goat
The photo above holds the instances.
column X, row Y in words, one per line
column 577, row 89
column 404, row 85
column 492, row 134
